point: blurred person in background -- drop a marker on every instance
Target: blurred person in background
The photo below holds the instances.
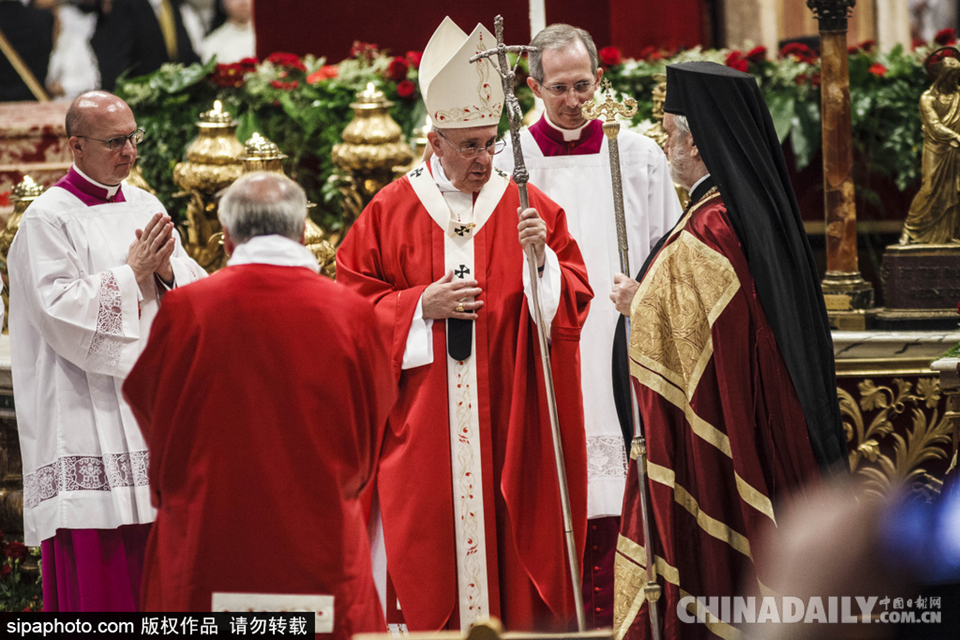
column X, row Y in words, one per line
column 29, row 28
column 137, row 36
column 234, row 39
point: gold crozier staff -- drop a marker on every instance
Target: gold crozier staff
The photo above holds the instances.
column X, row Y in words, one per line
column 610, row 109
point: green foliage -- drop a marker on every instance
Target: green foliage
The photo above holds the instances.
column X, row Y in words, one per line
column 19, row 589
column 303, row 106
column 885, row 91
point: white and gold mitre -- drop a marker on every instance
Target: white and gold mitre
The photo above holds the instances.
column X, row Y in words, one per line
column 458, row 93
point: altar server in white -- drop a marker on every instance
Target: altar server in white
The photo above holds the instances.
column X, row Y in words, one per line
column 567, row 157
column 88, row 269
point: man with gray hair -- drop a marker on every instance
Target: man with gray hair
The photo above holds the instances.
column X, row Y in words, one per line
column 264, row 424
column 567, row 157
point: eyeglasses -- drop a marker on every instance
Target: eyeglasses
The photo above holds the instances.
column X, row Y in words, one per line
column 492, row 149
column 581, row 88
column 113, row 144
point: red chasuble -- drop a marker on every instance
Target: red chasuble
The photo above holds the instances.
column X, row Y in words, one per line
column 262, row 394
column 725, row 431
column 392, row 253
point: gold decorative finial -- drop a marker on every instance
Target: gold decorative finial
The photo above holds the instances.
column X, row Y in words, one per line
column 370, row 95
column 216, row 116
column 25, row 190
column 259, row 149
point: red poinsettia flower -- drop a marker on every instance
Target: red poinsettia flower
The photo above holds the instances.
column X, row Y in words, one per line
column 945, row 37
column 877, row 69
column 414, row 58
column 249, row 62
column 397, row 69
column 363, row 50
column 610, row 56
column 870, row 46
column 646, row 52
column 5, row 570
column 757, row 54
column 735, row 60
column 815, row 79
column 16, row 550
column 406, row 89
column 800, row 80
column 289, row 60
column 286, row 86
column 916, row 43
column 228, row 75
column 799, row 51
column 326, row 72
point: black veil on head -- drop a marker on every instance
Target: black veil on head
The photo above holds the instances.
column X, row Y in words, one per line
column 734, row 134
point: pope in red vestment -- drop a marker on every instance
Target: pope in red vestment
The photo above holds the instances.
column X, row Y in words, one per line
column 393, row 252
column 263, row 424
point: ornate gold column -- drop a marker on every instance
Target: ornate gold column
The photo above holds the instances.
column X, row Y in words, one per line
column 261, row 154
column 23, row 194
column 372, row 148
column 213, row 164
column 845, row 291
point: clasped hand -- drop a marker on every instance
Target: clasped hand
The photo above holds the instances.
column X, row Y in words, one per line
column 150, row 252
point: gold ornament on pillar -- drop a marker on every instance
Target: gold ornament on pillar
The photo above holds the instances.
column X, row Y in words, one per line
column 659, row 92
column 136, row 179
column 25, row 192
column 261, row 154
column 371, row 150
column 213, row 163
column 418, row 144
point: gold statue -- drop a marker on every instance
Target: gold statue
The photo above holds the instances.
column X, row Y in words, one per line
column 934, row 216
column 656, row 132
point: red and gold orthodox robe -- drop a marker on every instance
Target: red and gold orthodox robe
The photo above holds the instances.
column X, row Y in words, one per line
column 426, row 477
column 725, row 431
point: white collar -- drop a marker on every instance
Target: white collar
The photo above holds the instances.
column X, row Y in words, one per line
column 275, row 250
column 111, row 191
column 693, row 187
column 568, row 134
column 440, row 177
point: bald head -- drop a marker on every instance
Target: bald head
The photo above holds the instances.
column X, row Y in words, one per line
column 93, row 119
column 89, row 106
column 263, row 204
